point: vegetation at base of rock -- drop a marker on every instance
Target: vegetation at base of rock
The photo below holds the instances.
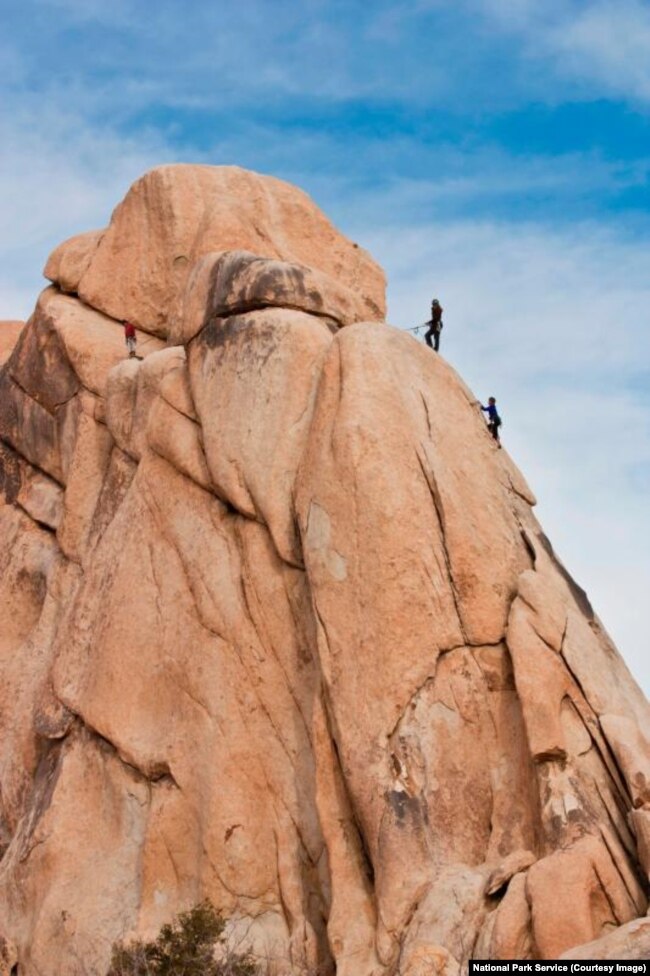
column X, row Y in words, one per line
column 184, row 947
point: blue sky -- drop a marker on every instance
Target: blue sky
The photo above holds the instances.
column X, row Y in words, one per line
column 495, row 153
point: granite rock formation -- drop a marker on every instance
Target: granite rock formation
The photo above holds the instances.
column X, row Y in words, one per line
column 278, row 625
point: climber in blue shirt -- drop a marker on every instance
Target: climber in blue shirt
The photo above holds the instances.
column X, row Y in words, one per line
column 494, row 420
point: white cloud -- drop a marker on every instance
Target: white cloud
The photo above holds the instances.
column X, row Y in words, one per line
column 602, row 45
column 608, row 42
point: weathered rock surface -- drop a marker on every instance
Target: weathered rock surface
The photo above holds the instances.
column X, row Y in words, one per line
column 10, row 329
column 68, row 262
column 278, row 626
column 630, row 941
column 173, row 215
column 224, row 284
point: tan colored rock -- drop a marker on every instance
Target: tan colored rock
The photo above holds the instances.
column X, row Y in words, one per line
column 33, row 580
column 170, row 573
column 64, row 355
column 431, row 961
column 40, row 365
column 511, row 936
column 176, row 438
column 80, row 766
column 233, row 282
column 515, row 862
column 175, row 214
column 298, row 644
column 576, row 895
column 121, row 389
column 93, row 406
column 34, row 492
column 630, row 941
column 92, row 343
column 10, row 330
column 88, row 470
column 361, row 524
column 69, row 261
column 149, row 379
column 133, row 388
column 640, row 822
column 353, row 946
column 632, row 751
column 119, row 475
column 514, row 480
column 537, row 664
column 42, row 499
column 175, row 389
column 253, row 380
column 44, row 438
column 436, row 938
column 8, row 957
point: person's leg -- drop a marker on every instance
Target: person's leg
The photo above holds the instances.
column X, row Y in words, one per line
column 427, row 338
column 436, row 340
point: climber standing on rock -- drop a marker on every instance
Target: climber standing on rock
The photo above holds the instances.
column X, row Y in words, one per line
column 435, row 326
column 494, row 420
column 130, row 338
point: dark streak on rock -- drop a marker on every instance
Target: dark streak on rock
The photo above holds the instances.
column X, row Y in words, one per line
column 405, row 807
column 577, row 592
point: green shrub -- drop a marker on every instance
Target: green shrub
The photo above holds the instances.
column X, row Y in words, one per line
column 185, row 947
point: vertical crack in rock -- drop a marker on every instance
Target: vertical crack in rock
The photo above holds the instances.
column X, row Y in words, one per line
column 358, row 827
column 439, row 511
column 600, row 741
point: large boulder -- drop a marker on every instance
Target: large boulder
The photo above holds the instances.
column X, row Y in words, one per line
column 231, row 282
column 68, row 262
column 279, row 627
column 175, row 214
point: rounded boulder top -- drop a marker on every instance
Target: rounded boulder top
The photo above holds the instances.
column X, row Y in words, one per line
column 175, row 214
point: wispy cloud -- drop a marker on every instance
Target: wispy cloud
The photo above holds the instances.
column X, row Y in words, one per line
column 610, row 43
column 603, row 45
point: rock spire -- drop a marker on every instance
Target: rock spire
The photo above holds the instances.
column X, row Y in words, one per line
column 279, row 627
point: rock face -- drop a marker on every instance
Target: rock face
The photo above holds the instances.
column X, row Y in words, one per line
column 278, row 626
column 174, row 215
column 9, row 332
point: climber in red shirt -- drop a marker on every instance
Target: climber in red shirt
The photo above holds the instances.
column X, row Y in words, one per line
column 130, row 338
